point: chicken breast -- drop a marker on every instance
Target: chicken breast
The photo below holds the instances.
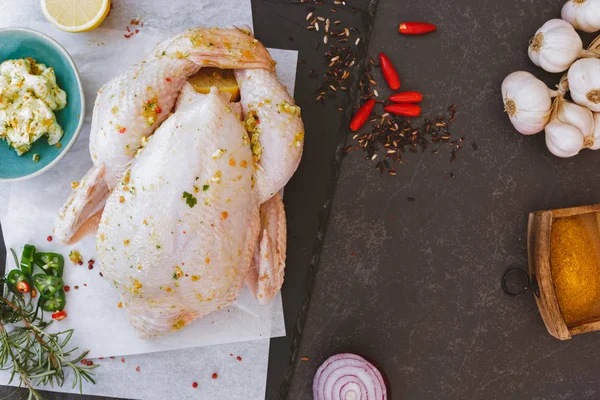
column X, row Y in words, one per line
column 178, row 234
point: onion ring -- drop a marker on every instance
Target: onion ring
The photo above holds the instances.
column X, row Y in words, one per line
column 347, row 376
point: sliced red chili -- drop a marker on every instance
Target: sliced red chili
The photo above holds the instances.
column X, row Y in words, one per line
column 416, row 28
column 23, row 287
column 405, row 110
column 59, row 316
column 407, row 97
column 362, row 115
column 389, row 72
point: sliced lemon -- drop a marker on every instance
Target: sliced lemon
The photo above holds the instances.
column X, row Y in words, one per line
column 75, row 15
column 223, row 79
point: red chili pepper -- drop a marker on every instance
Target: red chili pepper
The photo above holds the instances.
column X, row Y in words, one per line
column 407, row 97
column 416, row 28
column 389, row 72
column 405, row 110
column 60, row 315
column 362, row 115
column 23, row 287
column 122, row 130
column 158, row 110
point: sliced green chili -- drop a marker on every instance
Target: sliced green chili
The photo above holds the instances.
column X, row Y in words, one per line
column 50, row 263
column 47, row 284
column 54, row 302
column 14, row 278
column 27, row 259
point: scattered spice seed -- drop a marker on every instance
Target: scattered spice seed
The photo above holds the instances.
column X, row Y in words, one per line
column 411, row 199
column 137, row 368
column 304, row 359
column 89, row 363
column 49, row 238
column 67, row 288
column 215, row 375
column 195, row 385
column 76, row 287
column 123, row 359
column 474, row 145
column 238, row 358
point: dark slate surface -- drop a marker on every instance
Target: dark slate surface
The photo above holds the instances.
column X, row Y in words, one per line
column 414, row 286
column 422, row 296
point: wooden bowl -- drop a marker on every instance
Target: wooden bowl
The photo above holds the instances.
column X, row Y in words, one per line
column 539, row 238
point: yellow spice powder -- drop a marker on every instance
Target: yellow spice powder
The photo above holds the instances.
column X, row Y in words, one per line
column 575, row 270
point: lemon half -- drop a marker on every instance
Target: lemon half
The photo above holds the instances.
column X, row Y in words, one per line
column 75, row 15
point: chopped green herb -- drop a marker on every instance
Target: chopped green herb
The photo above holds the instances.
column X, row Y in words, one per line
column 190, row 200
column 36, row 157
column 205, row 188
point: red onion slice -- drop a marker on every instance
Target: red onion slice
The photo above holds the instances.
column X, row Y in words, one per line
column 347, row 376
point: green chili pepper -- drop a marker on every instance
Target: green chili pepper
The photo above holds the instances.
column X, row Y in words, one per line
column 27, row 259
column 47, row 284
column 54, row 302
column 51, row 263
column 15, row 277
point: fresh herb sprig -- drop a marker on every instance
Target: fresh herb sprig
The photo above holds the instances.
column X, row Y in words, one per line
column 30, row 352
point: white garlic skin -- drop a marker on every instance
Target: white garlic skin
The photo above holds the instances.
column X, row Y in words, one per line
column 584, row 83
column 596, row 134
column 555, row 46
column 528, row 101
column 584, row 15
column 570, row 131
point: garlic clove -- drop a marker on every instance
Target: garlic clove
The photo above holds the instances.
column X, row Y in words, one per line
column 555, row 46
column 584, row 83
column 584, row 15
column 577, row 116
column 527, row 101
column 563, row 140
column 596, row 133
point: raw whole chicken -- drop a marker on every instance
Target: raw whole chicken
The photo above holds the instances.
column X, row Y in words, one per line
column 184, row 191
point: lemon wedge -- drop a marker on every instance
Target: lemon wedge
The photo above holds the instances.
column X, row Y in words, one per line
column 75, row 15
column 223, row 79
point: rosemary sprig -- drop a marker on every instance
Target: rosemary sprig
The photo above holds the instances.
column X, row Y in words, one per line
column 30, row 352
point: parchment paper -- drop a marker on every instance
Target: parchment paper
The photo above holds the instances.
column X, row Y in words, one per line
column 28, row 209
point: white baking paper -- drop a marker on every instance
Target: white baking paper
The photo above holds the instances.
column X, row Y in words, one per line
column 28, row 209
column 169, row 375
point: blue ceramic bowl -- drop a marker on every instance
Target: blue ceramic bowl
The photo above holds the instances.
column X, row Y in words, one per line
column 23, row 43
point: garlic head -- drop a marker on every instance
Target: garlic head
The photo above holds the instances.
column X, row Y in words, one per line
column 570, row 130
column 584, row 15
column 584, row 83
column 527, row 101
column 555, row 46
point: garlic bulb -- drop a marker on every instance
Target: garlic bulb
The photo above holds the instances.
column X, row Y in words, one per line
column 556, row 46
column 570, row 130
column 582, row 14
column 527, row 101
column 584, row 83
